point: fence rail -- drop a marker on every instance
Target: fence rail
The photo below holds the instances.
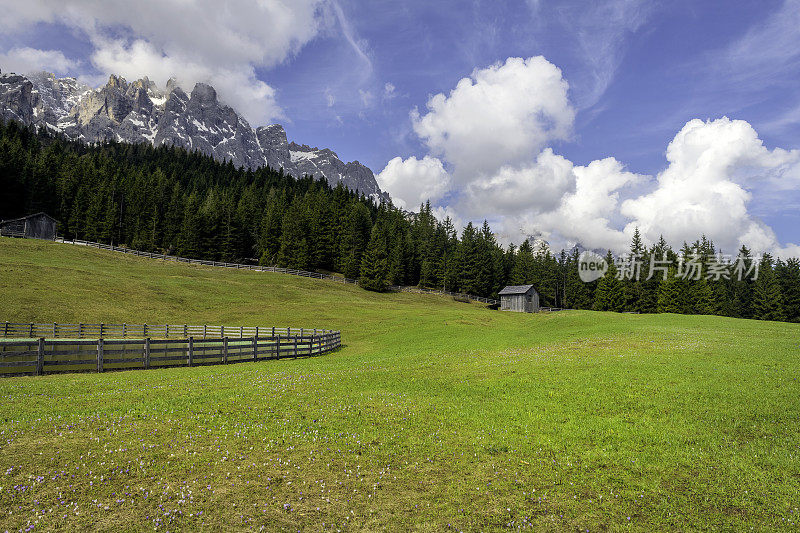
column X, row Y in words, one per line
column 54, row 356
column 97, row 330
column 260, row 268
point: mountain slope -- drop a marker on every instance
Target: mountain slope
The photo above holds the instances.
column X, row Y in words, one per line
column 140, row 111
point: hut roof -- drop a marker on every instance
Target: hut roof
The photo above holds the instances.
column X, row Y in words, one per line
column 41, row 213
column 515, row 289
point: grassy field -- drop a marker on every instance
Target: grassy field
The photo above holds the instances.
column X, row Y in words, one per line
column 436, row 415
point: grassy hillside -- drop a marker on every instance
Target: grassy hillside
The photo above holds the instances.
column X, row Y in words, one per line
column 435, row 414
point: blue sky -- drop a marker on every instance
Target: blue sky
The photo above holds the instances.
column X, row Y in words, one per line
column 349, row 75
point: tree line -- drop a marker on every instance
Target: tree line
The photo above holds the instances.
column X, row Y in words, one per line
column 167, row 199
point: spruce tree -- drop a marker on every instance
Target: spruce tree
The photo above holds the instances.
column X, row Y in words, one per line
column 788, row 275
column 670, row 294
column 767, row 298
column 609, row 295
column 522, row 270
column 374, row 271
column 358, row 225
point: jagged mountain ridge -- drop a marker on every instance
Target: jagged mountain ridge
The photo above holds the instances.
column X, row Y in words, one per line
column 140, row 111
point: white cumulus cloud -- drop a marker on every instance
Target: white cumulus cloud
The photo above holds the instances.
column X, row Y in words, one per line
column 499, row 116
column 707, row 186
column 412, row 181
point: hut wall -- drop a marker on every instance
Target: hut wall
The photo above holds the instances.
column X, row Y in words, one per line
column 40, row 227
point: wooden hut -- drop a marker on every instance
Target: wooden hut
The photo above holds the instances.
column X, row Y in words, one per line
column 36, row 226
column 519, row 298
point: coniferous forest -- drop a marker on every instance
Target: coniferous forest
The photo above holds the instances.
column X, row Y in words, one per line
column 169, row 200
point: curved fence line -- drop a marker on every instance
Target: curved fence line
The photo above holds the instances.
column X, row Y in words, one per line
column 55, row 356
column 165, row 331
column 259, row 268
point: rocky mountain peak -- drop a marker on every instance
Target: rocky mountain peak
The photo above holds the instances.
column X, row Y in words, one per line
column 142, row 112
column 143, row 83
column 116, row 82
column 204, row 94
column 172, row 83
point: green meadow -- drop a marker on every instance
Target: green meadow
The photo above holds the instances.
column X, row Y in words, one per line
column 435, row 414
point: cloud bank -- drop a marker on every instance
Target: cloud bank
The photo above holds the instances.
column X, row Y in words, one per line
column 491, row 142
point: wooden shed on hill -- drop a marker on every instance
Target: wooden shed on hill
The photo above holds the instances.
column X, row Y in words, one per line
column 36, row 226
column 519, row 298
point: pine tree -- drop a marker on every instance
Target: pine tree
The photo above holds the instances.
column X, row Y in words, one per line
column 522, row 269
column 742, row 303
column 468, row 261
column 269, row 243
column 578, row 294
column 788, row 275
column 767, row 298
column 701, row 297
column 374, row 271
column 637, row 246
column 609, row 295
column 670, row 294
column 633, row 284
column 354, row 241
column 189, row 238
column 294, row 251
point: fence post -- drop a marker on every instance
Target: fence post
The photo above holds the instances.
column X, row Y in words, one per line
column 31, row 334
column 222, row 331
column 147, row 352
column 100, row 354
column 101, row 329
column 54, row 330
column 80, row 330
column 277, row 347
column 225, row 350
column 144, row 330
column 256, row 331
column 273, row 331
column 205, row 330
column 241, row 332
column 185, row 331
column 124, row 330
column 40, row 357
column 191, row 351
column 295, row 346
column 255, row 348
column 5, row 332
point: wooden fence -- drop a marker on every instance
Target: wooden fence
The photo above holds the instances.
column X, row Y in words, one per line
column 165, row 331
column 195, row 346
column 260, row 268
